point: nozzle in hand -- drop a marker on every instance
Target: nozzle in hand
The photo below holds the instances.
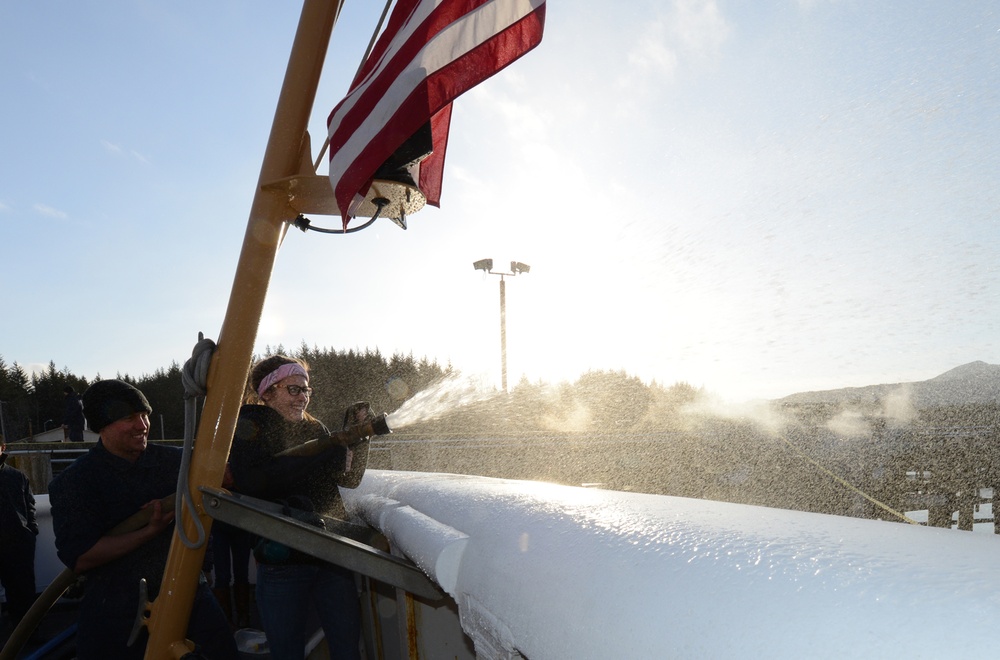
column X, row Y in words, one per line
column 360, row 421
column 357, row 413
column 380, row 425
column 349, row 437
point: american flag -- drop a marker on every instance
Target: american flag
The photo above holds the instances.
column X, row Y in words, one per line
column 430, row 52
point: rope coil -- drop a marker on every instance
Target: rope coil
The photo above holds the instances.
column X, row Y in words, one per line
column 194, row 376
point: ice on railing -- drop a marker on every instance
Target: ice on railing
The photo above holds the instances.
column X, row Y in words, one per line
column 561, row 572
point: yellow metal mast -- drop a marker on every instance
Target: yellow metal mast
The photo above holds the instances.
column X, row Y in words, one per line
column 287, row 151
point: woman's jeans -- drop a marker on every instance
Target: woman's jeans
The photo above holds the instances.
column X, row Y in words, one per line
column 285, row 593
column 231, row 554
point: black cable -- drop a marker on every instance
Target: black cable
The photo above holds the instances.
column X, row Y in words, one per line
column 303, row 223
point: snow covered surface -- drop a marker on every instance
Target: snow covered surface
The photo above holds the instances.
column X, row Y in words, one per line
column 562, row 572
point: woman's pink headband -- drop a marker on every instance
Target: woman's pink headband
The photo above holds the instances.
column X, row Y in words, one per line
column 280, row 374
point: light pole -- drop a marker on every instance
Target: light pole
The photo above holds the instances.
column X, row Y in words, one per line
column 486, row 265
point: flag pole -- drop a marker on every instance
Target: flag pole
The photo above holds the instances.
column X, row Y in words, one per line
column 269, row 215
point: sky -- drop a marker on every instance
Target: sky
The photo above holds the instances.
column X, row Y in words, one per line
column 754, row 198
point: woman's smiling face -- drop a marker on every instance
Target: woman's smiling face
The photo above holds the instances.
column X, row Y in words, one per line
column 290, row 406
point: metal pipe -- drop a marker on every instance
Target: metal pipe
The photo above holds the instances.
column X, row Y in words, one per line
column 503, row 335
column 3, row 429
column 267, row 224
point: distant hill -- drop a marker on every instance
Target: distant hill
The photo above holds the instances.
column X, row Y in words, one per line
column 976, row 382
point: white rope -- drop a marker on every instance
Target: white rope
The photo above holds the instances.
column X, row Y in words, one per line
column 195, row 379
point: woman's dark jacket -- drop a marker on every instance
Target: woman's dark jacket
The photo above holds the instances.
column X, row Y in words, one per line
column 261, row 433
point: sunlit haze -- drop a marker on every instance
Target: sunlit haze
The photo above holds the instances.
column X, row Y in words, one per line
column 754, row 198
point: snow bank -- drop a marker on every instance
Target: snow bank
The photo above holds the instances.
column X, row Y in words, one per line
column 561, row 572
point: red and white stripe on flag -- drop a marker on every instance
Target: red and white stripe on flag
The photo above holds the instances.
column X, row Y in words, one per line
column 430, row 52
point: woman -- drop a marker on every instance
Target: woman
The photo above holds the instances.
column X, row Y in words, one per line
column 273, row 420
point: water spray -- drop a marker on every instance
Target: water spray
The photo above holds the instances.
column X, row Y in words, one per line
column 444, row 395
column 360, row 425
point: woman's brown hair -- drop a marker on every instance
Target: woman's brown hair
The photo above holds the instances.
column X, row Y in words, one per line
column 260, row 372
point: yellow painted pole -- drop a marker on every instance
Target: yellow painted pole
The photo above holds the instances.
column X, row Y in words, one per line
column 231, row 362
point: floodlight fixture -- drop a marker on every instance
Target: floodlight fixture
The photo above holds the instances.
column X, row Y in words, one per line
column 486, row 265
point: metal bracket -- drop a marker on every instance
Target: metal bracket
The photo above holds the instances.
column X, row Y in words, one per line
column 142, row 616
column 343, row 543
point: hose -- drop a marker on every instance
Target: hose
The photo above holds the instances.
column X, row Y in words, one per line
column 65, row 580
column 349, row 437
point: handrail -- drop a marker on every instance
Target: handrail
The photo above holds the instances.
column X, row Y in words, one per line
column 340, row 542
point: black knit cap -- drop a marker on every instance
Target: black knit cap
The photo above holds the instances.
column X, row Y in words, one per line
column 107, row 401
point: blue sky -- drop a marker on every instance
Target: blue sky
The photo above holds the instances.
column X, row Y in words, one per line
column 754, row 198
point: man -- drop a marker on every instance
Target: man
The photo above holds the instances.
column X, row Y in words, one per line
column 119, row 476
column 72, row 416
column 17, row 539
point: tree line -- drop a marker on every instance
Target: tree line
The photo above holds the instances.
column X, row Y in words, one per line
column 613, row 429
column 31, row 404
column 597, row 402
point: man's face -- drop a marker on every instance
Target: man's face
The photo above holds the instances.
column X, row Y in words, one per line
column 126, row 437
